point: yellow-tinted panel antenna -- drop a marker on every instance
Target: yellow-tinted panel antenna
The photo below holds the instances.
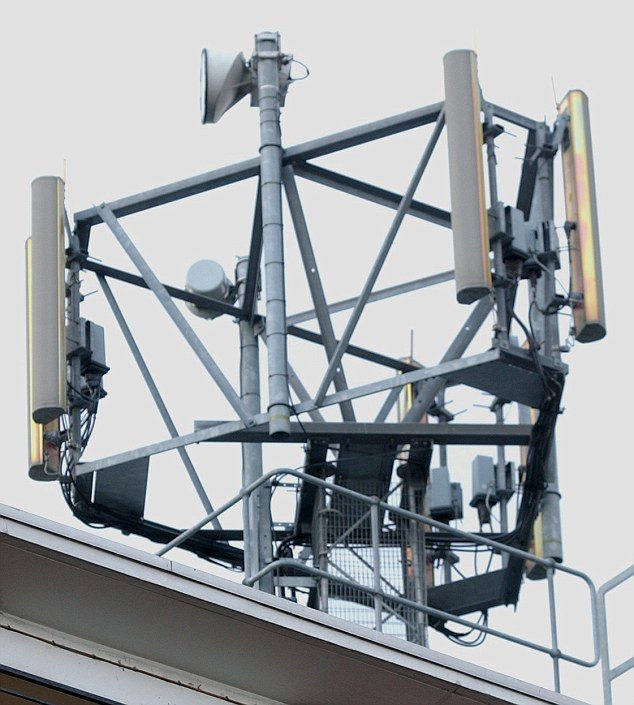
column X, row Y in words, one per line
column 582, row 227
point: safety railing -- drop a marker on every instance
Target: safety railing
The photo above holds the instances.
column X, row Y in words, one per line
column 381, row 599
column 609, row 673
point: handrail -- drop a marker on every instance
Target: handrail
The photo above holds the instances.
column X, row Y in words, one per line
column 378, row 594
column 318, row 573
column 609, row 674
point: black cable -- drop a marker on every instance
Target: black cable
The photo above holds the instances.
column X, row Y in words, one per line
column 459, row 637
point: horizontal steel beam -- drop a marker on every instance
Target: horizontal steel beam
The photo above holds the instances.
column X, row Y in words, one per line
column 226, row 309
column 365, row 133
column 513, row 117
column 302, row 152
column 173, row 192
column 251, row 167
column 383, row 433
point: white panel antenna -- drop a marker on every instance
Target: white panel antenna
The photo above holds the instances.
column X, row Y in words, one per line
column 469, row 219
column 46, row 302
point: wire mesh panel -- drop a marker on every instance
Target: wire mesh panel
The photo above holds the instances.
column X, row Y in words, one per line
column 369, row 555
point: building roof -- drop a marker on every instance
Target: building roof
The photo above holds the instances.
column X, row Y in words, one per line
column 85, row 619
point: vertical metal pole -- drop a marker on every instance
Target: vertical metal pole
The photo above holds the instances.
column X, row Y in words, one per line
column 546, row 328
column 267, row 60
column 500, row 477
column 553, row 627
column 601, row 635
column 419, row 565
column 442, row 450
column 376, row 560
column 414, row 556
column 322, row 547
column 499, row 280
column 256, row 514
column 602, row 628
column 546, row 283
column 73, row 333
column 551, row 517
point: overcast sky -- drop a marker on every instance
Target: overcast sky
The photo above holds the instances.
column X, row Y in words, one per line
column 107, row 95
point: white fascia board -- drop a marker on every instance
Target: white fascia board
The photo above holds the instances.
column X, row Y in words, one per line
column 87, row 669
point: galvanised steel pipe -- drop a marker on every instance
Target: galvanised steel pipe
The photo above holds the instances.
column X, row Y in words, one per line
column 267, row 60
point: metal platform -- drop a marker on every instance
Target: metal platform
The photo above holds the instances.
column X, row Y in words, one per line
column 509, row 373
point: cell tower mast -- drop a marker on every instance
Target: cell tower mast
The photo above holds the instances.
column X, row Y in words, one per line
column 373, row 535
